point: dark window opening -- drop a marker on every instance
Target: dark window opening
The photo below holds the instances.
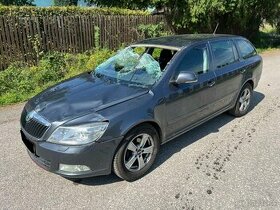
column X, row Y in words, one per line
column 196, row 60
column 224, row 53
column 246, row 49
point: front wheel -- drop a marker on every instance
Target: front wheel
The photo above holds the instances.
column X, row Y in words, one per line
column 136, row 153
column 243, row 102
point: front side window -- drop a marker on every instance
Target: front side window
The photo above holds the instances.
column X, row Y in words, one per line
column 195, row 60
column 224, row 53
column 246, row 49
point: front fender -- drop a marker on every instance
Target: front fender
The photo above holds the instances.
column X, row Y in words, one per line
column 125, row 116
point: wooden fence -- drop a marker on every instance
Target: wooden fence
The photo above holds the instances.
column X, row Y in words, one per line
column 25, row 38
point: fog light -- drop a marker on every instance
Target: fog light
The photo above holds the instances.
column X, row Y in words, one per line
column 73, row 168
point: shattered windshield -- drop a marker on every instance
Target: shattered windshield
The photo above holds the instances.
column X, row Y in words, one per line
column 131, row 66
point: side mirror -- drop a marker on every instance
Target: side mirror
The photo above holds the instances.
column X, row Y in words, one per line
column 185, row 77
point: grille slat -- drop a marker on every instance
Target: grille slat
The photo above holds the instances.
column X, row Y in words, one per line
column 33, row 126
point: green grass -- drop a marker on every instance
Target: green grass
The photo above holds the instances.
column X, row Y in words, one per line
column 263, row 50
column 19, row 81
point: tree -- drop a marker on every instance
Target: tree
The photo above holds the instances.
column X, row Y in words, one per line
column 201, row 16
column 65, row 2
column 275, row 20
column 17, row 2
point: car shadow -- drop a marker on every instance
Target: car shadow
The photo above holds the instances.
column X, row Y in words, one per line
column 169, row 149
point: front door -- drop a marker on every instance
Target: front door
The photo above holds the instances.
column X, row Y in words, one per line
column 187, row 104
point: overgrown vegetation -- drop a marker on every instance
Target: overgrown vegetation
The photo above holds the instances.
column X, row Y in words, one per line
column 201, row 16
column 71, row 10
column 20, row 81
column 153, row 30
column 267, row 39
column 131, row 4
column 65, row 2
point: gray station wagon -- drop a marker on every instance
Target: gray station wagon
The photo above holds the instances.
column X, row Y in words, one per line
column 116, row 117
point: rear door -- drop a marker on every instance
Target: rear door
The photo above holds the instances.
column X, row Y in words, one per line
column 187, row 104
column 228, row 71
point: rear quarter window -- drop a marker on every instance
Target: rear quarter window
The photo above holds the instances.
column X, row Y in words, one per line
column 246, row 49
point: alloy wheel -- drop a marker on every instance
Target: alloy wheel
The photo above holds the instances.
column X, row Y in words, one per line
column 244, row 100
column 138, row 152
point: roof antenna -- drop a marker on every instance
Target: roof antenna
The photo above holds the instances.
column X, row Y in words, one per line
column 217, row 26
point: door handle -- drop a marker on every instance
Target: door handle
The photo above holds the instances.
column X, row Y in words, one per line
column 211, row 83
column 242, row 71
column 162, row 100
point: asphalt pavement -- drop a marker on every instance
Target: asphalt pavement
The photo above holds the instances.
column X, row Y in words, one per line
column 226, row 163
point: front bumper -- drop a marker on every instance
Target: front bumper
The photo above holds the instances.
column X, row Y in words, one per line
column 97, row 156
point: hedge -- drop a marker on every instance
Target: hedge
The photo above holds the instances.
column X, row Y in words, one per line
column 25, row 11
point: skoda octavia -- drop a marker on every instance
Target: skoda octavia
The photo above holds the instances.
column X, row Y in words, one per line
column 116, row 117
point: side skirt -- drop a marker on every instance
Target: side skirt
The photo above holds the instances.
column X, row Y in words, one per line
column 198, row 123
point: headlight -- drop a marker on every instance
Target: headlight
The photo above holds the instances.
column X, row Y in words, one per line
column 77, row 135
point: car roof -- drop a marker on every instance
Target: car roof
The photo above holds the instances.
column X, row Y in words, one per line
column 176, row 42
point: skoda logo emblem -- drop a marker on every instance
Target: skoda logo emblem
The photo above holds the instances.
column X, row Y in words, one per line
column 29, row 116
column 40, row 107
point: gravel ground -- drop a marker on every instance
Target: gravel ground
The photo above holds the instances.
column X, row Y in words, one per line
column 227, row 163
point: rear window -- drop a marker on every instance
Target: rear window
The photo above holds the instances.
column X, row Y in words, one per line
column 224, row 53
column 245, row 48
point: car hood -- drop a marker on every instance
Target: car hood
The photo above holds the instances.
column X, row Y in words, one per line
column 81, row 95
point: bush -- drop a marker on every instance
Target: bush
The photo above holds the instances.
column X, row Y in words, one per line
column 71, row 10
column 234, row 17
column 97, row 58
column 20, row 81
column 153, row 30
column 16, row 78
column 52, row 67
column 267, row 40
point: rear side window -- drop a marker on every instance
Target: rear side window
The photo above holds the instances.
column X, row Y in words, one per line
column 196, row 60
column 224, row 53
column 245, row 48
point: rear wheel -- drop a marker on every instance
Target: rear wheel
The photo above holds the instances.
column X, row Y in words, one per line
column 136, row 153
column 243, row 102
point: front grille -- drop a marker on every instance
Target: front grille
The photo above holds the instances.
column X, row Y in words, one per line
column 33, row 126
column 23, row 117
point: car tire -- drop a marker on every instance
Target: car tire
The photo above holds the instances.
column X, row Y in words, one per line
column 137, row 153
column 243, row 101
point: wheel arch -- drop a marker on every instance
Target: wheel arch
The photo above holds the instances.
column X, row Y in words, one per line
column 249, row 81
column 146, row 122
